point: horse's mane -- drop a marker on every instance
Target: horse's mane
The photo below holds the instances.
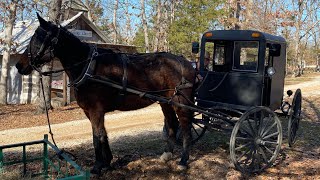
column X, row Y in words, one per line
column 75, row 39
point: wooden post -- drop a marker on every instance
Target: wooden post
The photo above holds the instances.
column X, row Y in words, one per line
column 68, row 91
column 65, row 102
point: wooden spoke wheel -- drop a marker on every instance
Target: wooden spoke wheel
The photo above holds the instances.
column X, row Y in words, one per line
column 294, row 118
column 197, row 131
column 256, row 140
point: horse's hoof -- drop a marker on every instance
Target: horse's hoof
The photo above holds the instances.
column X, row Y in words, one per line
column 108, row 168
column 166, row 156
column 182, row 167
column 96, row 171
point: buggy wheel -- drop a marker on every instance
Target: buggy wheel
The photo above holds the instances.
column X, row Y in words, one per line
column 294, row 118
column 197, row 131
column 256, row 140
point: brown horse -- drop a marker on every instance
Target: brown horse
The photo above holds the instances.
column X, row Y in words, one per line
column 161, row 74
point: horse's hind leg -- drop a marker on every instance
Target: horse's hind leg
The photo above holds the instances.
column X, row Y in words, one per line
column 100, row 142
column 171, row 126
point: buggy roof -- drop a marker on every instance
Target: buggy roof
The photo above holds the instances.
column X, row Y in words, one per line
column 243, row 35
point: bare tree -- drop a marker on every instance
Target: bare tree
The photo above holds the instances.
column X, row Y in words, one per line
column 233, row 8
column 145, row 26
column 157, row 26
column 315, row 34
column 297, row 25
column 128, row 22
column 9, row 23
column 54, row 14
column 304, row 24
column 115, row 26
column 89, row 10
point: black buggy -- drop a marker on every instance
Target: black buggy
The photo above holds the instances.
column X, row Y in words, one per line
column 242, row 92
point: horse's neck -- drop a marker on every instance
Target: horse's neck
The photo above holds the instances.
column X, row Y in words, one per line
column 71, row 54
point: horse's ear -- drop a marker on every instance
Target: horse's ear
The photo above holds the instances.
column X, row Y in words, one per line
column 43, row 23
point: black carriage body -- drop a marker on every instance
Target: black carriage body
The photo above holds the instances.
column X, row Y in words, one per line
column 236, row 75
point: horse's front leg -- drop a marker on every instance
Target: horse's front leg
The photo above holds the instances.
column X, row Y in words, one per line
column 100, row 142
column 170, row 130
column 185, row 119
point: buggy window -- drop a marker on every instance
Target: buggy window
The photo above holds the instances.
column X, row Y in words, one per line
column 208, row 56
column 219, row 54
column 245, row 55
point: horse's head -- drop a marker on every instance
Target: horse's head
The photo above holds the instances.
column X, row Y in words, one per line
column 40, row 48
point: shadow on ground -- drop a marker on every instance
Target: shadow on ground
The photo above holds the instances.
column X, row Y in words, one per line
column 137, row 157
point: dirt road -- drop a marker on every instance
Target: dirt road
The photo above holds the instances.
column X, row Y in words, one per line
column 77, row 132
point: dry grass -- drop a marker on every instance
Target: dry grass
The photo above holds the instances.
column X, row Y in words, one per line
column 289, row 80
column 15, row 174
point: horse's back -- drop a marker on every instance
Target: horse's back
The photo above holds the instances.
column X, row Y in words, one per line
column 158, row 73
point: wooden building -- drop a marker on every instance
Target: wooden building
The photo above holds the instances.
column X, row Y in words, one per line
column 25, row 89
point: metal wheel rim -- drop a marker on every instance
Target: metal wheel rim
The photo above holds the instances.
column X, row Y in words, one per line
column 294, row 119
column 197, row 130
column 254, row 151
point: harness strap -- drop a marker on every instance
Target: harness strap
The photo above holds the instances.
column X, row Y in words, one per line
column 86, row 72
column 123, row 91
column 124, row 58
column 184, row 84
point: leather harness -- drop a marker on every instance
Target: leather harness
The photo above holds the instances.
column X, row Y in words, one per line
column 89, row 70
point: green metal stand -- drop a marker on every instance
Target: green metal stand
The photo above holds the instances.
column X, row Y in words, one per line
column 49, row 169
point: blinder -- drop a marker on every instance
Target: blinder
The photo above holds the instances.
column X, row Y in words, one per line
column 48, row 43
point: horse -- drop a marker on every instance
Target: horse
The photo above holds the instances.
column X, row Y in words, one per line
column 162, row 74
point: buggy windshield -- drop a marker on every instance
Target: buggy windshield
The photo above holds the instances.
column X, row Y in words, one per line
column 245, row 55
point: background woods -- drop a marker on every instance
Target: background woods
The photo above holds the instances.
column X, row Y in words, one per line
column 171, row 25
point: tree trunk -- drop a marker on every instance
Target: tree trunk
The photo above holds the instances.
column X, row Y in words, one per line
column 157, row 27
column 234, row 8
column 89, row 10
column 297, row 59
column 318, row 63
column 54, row 14
column 238, row 25
column 128, row 23
column 248, row 14
column 115, row 36
column 145, row 26
column 165, row 28
column 172, row 10
column 6, row 53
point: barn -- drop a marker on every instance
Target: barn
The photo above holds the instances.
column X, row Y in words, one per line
column 25, row 89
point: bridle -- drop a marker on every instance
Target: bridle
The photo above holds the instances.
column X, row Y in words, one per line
column 49, row 43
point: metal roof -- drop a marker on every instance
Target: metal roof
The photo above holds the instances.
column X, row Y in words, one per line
column 21, row 35
column 24, row 30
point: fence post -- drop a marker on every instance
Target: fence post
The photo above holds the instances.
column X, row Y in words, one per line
column 1, row 160
column 45, row 156
column 24, row 159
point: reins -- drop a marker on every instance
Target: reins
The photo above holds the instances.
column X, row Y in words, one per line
column 46, row 109
column 49, row 125
column 40, row 54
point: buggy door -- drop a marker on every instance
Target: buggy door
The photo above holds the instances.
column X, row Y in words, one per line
column 232, row 77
